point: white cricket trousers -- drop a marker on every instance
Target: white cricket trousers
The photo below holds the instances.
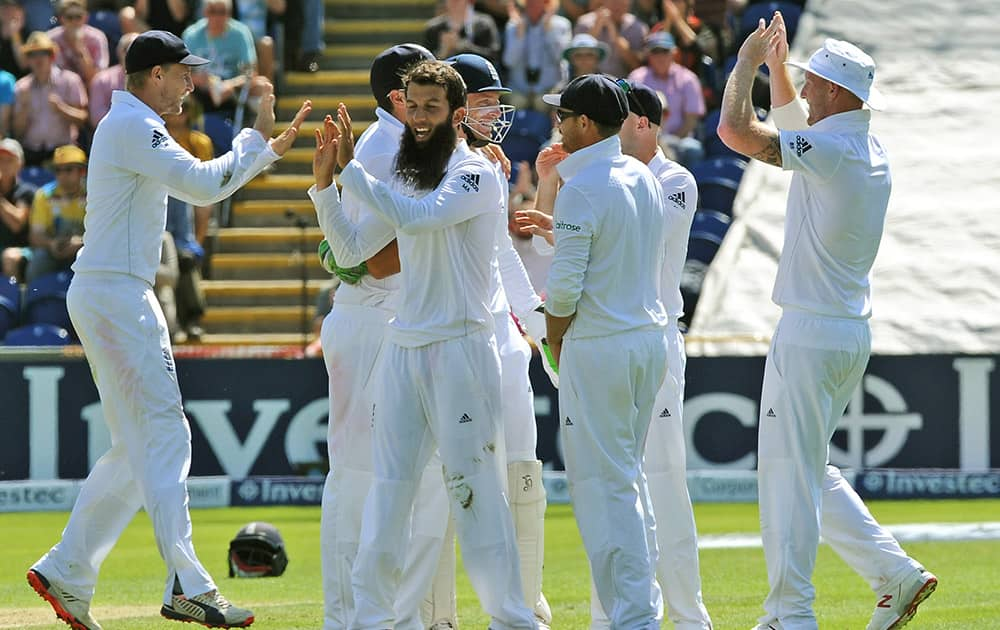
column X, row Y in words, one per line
column 813, row 366
column 444, row 394
column 352, row 341
column 607, row 386
column 125, row 337
column 678, row 571
column 517, row 398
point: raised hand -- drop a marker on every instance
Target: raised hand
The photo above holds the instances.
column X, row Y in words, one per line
column 345, row 148
column 545, row 163
column 777, row 52
column 757, row 44
column 535, row 222
column 494, row 153
column 265, row 121
column 325, row 156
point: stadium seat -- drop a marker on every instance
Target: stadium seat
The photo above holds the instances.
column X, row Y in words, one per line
column 791, row 11
column 10, row 304
column 219, row 128
column 528, row 134
column 708, row 229
column 692, row 278
column 108, row 23
column 719, row 170
column 37, row 175
column 37, row 335
column 45, row 300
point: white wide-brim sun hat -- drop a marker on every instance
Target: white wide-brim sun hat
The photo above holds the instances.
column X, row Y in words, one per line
column 849, row 67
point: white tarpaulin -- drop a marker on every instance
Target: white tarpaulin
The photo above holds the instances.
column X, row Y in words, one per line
column 935, row 286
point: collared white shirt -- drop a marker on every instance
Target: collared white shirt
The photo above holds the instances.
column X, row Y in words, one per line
column 368, row 233
column 835, row 216
column 446, row 246
column 680, row 199
column 610, row 239
column 510, row 284
column 134, row 164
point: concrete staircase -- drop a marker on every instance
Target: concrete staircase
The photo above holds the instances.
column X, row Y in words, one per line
column 255, row 294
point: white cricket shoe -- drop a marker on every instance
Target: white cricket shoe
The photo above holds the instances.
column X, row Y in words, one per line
column 771, row 625
column 898, row 600
column 209, row 609
column 443, row 625
column 69, row 608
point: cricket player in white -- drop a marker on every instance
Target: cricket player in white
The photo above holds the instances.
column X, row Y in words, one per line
column 439, row 376
column 352, row 337
column 487, row 123
column 833, row 225
column 665, row 461
column 609, row 225
column 134, row 165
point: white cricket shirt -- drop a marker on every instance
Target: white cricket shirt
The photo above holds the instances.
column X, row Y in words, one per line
column 835, row 216
column 446, row 244
column 680, row 199
column 364, row 233
column 134, row 164
column 511, row 286
column 610, row 236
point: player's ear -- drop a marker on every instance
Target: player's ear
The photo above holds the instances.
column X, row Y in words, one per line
column 458, row 116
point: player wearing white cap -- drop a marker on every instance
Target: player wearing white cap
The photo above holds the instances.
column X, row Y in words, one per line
column 607, row 337
column 134, row 165
column 833, row 225
column 438, row 381
column 352, row 337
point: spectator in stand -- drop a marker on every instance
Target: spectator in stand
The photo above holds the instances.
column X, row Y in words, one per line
column 7, row 81
column 682, row 88
column 622, row 31
column 188, row 228
column 15, row 204
column 584, row 55
column 107, row 81
column 165, row 281
column 462, row 29
column 574, row 9
column 13, row 32
column 57, row 214
column 534, row 40
column 50, row 104
column 79, row 46
column 230, row 46
column 253, row 14
column 312, row 35
column 164, row 15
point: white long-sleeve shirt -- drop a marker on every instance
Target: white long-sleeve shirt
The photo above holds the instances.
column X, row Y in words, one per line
column 511, row 285
column 680, row 199
column 365, row 233
column 610, row 236
column 835, row 215
column 134, row 165
column 446, row 244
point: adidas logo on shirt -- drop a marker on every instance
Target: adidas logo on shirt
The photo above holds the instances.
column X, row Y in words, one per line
column 569, row 422
column 678, row 198
column 470, row 181
column 770, row 413
column 665, row 413
column 465, row 418
column 800, row 146
column 158, row 138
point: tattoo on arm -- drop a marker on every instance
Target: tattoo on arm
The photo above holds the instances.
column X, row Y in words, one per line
column 771, row 153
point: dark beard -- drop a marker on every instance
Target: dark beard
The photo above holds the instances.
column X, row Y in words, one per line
column 421, row 166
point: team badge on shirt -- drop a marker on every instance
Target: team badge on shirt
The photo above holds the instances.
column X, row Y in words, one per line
column 470, row 182
column 159, row 138
column 800, row 146
column 678, row 199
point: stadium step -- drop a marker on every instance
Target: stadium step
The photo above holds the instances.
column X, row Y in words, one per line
column 375, row 31
column 361, row 106
column 272, row 212
column 267, row 239
column 351, row 9
column 266, row 266
column 256, row 319
column 260, row 292
column 285, row 339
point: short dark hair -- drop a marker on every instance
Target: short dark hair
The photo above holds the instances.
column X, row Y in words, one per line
column 606, row 130
column 441, row 74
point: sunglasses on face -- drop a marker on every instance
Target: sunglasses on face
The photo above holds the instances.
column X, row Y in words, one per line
column 565, row 114
column 631, row 97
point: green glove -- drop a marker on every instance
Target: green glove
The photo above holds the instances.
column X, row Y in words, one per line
column 350, row 275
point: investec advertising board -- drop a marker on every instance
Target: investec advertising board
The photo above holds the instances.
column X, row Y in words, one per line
column 260, row 417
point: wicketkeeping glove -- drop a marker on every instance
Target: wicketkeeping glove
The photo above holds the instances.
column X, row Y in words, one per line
column 549, row 362
column 350, row 275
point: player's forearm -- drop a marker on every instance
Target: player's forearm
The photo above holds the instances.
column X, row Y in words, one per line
column 204, row 183
column 352, row 244
column 782, row 90
column 556, row 327
column 545, row 195
column 738, row 125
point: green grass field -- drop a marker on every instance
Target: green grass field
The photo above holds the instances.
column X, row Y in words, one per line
column 734, row 580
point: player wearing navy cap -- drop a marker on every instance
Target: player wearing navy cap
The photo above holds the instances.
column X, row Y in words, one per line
column 134, row 165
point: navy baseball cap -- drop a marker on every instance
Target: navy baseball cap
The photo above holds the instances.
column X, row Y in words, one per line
column 643, row 100
column 478, row 73
column 391, row 64
column 597, row 96
column 155, row 48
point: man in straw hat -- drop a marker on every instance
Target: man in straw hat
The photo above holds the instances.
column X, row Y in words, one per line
column 819, row 351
